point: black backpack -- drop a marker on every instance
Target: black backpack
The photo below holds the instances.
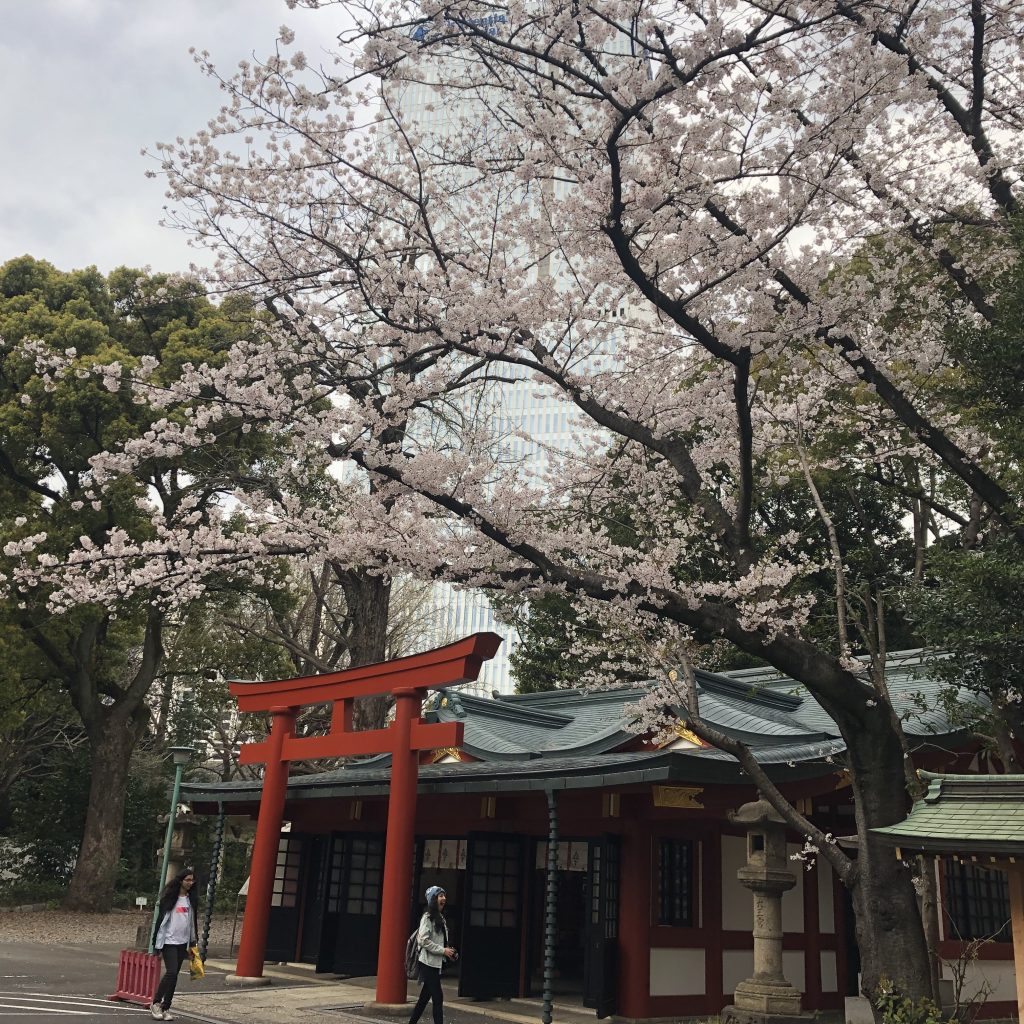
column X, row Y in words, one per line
column 412, row 952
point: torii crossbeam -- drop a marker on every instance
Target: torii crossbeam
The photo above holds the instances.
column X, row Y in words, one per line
column 407, row 679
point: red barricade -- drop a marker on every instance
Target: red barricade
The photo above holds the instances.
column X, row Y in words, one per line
column 138, row 975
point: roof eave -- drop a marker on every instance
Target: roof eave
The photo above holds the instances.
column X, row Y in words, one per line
column 952, row 846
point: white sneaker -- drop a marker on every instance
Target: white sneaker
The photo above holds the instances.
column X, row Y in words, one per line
column 167, row 1015
column 155, row 1012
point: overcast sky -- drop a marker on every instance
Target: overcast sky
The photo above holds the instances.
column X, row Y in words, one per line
column 87, row 84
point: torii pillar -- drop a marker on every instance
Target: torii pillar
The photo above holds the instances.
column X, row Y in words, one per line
column 407, row 679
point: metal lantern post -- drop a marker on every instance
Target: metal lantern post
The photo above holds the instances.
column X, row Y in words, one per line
column 181, row 757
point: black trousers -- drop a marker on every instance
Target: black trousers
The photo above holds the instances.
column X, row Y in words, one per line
column 174, row 957
column 431, row 978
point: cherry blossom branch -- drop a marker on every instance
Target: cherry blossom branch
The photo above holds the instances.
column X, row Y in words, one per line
column 969, row 120
column 838, row 569
column 832, row 684
column 1000, row 500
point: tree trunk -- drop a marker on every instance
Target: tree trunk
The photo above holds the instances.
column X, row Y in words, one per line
column 1007, row 724
column 890, row 933
column 929, row 903
column 92, row 883
column 368, row 598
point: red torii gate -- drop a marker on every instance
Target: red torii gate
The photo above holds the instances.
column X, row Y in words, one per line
column 406, row 679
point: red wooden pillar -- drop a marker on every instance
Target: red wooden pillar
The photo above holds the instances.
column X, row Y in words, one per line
column 709, row 886
column 1016, row 880
column 635, row 922
column 264, row 851
column 398, row 853
column 812, row 939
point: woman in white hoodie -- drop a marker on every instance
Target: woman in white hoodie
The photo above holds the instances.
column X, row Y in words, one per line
column 432, row 941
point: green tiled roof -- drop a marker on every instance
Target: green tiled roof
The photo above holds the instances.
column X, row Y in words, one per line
column 760, row 707
column 916, row 695
column 373, row 778
column 532, row 739
column 972, row 814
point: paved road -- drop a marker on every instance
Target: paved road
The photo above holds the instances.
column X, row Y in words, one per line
column 52, row 983
column 36, row 1006
column 64, row 982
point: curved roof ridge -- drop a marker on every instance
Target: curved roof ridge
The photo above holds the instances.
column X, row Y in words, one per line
column 975, row 787
column 489, row 708
column 769, row 676
column 567, row 697
column 750, row 693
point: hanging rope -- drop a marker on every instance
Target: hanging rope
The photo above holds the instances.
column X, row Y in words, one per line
column 551, row 907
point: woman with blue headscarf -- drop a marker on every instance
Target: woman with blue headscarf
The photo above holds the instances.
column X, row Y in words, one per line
column 432, row 942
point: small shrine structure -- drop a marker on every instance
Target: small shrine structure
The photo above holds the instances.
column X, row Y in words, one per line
column 978, row 819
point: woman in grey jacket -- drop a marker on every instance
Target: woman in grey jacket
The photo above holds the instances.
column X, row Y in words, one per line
column 432, row 941
column 175, row 932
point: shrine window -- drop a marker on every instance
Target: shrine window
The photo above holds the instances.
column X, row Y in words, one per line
column 365, row 871
column 335, row 875
column 977, row 902
column 285, row 890
column 676, row 886
column 494, row 889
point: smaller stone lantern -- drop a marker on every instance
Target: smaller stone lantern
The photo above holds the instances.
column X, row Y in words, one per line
column 183, row 842
column 765, row 997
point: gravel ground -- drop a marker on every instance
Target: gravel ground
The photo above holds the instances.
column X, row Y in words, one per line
column 59, row 926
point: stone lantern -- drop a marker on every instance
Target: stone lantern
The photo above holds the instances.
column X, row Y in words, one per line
column 183, row 844
column 183, row 839
column 766, row 996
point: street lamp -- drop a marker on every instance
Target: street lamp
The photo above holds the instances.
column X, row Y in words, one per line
column 181, row 757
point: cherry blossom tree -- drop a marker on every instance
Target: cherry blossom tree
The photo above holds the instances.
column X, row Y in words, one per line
column 725, row 234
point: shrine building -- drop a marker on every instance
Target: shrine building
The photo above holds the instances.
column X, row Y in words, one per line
column 650, row 918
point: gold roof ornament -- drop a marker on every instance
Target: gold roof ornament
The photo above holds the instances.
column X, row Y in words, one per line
column 442, row 752
column 681, row 732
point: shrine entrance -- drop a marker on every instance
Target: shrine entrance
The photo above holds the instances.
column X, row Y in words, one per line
column 585, row 953
column 570, row 923
column 442, row 861
column 314, row 886
column 493, row 916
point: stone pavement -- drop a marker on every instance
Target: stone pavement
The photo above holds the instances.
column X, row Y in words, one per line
column 66, row 964
column 298, row 996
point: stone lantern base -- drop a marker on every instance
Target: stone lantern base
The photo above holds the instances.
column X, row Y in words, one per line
column 769, row 994
column 765, row 1001
column 734, row 1015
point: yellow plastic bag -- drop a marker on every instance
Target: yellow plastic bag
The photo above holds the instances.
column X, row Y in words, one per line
column 196, row 970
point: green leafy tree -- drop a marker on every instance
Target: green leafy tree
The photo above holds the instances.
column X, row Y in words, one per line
column 66, row 338
column 560, row 646
column 48, row 816
column 36, row 718
column 970, row 607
